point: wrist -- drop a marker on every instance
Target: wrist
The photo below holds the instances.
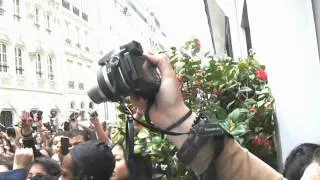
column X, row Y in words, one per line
column 171, row 116
column 184, row 127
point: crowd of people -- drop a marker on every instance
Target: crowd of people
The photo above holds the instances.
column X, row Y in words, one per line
column 33, row 150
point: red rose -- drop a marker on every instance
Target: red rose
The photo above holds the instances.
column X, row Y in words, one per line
column 197, row 44
column 259, row 140
column 254, row 110
column 261, row 74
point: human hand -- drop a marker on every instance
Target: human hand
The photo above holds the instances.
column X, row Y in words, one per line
column 93, row 116
column 169, row 106
column 22, row 158
column 26, row 122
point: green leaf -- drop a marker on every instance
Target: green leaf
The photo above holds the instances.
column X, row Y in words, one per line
column 260, row 103
column 245, row 89
column 250, row 102
column 221, row 114
column 230, row 104
column 239, row 130
column 235, row 114
column 143, row 133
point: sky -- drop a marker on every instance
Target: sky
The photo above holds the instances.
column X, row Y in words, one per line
column 182, row 20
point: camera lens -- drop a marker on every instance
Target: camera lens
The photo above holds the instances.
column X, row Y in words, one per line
column 103, row 90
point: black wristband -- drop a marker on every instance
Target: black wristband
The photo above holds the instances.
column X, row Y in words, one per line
column 176, row 124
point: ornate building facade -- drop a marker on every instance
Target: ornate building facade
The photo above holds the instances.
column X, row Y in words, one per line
column 49, row 51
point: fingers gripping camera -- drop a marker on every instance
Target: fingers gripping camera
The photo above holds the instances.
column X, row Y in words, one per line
column 124, row 73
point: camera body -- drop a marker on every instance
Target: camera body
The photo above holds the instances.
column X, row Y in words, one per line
column 123, row 73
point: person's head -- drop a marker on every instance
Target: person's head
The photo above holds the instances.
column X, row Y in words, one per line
column 42, row 167
column 56, row 143
column 88, row 160
column 6, row 163
column 78, row 136
column 299, row 159
column 39, row 139
column 140, row 166
column 121, row 170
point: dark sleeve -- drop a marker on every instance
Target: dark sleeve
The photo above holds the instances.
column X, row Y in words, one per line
column 28, row 142
column 18, row 174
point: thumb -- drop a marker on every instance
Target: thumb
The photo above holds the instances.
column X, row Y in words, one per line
column 163, row 63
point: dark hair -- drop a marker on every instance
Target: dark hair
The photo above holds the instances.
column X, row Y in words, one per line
column 51, row 167
column 11, row 132
column 6, row 161
column 47, row 177
column 77, row 132
column 92, row 159
column 39, row 115
column 299, row 158
column 140, row 167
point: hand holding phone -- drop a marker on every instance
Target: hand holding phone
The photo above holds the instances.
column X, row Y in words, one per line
column 64, row 145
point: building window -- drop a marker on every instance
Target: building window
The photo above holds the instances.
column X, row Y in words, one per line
column 18, row 59
column 72, row 105
column 84, row 16
column 68, row 40
column 6, row 118
column 228, row 42
column 71, row 84
column 1, row 8
column 3, row 58
column 16, row 10
column 48, row 29
column 75, row 10
column 78, row 38
column 66, row 4
column 36, row 18
column 91, row 105
column 245, row 26
column 50, row 68
column 81, row 86
column 86, row 41
column 38, row 67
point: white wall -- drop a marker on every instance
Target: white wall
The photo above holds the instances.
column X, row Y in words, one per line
column 283, row 36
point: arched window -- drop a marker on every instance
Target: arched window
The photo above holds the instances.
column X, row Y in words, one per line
column 3, row 58
column 91, row 105
column 38, row 67
column 6, row 118
column 50, row 68
column 72, row 105
column 18, row 59
column 82, row 105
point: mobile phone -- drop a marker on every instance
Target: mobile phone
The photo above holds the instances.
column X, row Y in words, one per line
column 64, row 145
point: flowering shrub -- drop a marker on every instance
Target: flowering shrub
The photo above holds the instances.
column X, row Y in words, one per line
column 234, row 92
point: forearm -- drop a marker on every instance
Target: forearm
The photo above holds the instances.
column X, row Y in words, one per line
column 100, row 132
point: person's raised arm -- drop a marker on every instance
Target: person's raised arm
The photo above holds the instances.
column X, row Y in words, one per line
column 200, row 152
column 98, row 127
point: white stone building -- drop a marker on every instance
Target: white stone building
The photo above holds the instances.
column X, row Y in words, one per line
column 286, row 38
column 49, row 51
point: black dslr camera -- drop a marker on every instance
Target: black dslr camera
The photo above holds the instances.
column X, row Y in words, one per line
column 123, row 73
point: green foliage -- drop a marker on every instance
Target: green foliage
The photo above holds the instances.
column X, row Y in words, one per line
column 234, row 92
